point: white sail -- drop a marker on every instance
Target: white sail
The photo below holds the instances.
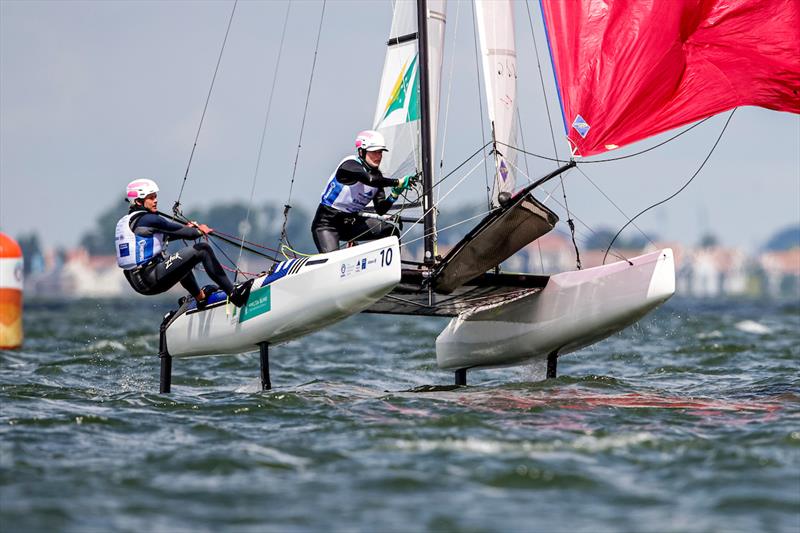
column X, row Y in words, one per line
column 498, row 49
column 397, row 113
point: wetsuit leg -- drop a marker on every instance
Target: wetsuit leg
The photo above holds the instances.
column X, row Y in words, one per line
column 324, row 229
column 368, row 229
column 178, row 268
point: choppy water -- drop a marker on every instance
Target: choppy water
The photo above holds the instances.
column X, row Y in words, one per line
column 689, row 421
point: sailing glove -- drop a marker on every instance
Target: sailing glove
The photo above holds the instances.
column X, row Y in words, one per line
column 402, row 184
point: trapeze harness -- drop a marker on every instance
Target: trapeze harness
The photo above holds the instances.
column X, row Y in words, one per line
column 349, row 190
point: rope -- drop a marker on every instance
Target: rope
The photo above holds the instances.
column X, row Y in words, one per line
column 541, row 79
column 679, row 190
column 445, row 196
column 288, row 204
column 449, row 91
column 176, row 207
column 687, row 130
column 528, row 170
column 614, row 204
column 264, row 133
column 550, row 196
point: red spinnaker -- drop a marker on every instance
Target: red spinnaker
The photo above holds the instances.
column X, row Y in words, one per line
column 630, row 69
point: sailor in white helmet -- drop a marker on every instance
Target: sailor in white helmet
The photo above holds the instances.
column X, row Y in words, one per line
column 355, row 183
column 141, row 237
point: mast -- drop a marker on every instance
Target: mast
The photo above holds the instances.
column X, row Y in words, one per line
column 429, row 220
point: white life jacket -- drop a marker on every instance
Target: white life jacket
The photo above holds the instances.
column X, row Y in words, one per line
column 348, row 198
column 132, row 249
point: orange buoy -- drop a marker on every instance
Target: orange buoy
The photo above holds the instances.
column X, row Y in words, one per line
column 10, row 293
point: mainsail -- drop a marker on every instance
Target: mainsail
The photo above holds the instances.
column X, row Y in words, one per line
column 397, row 115
column 629, row 70
column 498, row 50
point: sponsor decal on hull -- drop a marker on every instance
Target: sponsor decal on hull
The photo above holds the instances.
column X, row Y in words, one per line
column 260, row 302
column 373, row 261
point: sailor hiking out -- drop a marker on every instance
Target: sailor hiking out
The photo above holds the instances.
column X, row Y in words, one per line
column 141, row 241
column 355, row 183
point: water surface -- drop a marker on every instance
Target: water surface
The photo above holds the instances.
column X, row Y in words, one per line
column 689, row 421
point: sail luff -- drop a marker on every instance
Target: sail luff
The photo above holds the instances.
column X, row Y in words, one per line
column 631, row 70
column 499, row 62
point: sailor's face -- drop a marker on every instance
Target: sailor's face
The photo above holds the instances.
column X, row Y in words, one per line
column 374, row 158
column 151, row 202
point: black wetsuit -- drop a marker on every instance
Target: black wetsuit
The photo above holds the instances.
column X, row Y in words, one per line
column 330, row 225
column 163, row 271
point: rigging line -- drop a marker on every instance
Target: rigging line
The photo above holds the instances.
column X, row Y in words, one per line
column 476, row 152
column 302, row 127
column 550, row 196
column 451, row 226
column 687, row 130
column 235, row 241
column 264, row 132
column 205, row 107
column 541, row 79
column 480, row 104
column 528, row 170
column 239, row 239
column 570, row 223
column 615, row 205
column 435, row 205
column 673, row 195
column 449, row 91
column 219, row 248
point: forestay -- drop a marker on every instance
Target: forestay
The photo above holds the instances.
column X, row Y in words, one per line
column 397, row 114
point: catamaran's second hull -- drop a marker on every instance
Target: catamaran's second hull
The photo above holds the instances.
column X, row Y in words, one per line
column 574, row 310
column 299, row 297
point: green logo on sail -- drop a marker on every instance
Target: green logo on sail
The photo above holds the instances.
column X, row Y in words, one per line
column 400, row 92
column 260, row 302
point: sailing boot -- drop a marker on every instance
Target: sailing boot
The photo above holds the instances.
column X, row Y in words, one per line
column 241, row 293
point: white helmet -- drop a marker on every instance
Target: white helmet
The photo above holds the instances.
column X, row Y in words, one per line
column 371, row 141
column 140, row 188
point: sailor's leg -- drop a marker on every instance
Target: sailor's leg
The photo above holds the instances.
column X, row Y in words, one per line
column 189, row 282
column 178, row 268
column 213, row 267
column 324, row 231
column 263, row 349
column 368, row 229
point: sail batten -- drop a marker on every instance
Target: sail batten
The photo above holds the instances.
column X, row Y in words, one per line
column 626, row 71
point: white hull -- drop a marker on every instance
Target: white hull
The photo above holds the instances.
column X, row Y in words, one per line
column 574, row 310
column 311, row 294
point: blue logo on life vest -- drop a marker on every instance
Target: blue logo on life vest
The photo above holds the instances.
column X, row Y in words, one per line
column 581, row 126
column 124, row 250
column 364, row 264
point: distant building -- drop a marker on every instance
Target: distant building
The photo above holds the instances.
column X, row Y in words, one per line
column 714, row 271
column 781, row 273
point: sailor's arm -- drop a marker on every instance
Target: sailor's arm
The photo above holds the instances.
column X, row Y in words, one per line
column 151, row 223
column 352, row 171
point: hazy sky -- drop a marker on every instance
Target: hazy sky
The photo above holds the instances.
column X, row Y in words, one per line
column 93, row 94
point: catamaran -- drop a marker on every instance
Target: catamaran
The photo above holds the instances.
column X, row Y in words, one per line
column 624, row 72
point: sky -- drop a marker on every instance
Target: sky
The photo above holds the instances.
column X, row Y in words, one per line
column 94, row 94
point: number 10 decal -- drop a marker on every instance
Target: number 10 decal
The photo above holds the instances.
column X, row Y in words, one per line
column 386, row 257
